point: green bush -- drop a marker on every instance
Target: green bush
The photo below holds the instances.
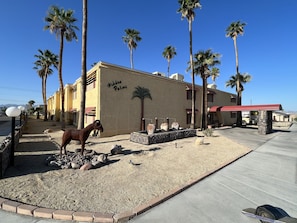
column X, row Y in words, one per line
column 208, row 132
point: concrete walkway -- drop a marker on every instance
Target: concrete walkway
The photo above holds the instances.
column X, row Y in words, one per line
column 268, row 175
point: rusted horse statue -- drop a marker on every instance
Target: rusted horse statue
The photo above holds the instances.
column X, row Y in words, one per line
column 79, row 135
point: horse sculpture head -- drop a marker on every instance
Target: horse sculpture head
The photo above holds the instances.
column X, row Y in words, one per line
column 97, row 125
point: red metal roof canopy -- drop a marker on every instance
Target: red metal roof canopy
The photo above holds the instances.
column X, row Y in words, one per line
column 271, row 107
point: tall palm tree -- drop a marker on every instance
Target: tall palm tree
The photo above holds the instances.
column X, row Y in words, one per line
column 131, row 38
column 61, row 22
column 45, row 60
column 232, row 31
column 141, row 93
column 241, row 79
column 203, row 61
column 168, row 53
column 186, row 9
column 81, row 116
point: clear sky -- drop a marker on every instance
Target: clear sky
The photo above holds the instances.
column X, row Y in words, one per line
column 267, row 50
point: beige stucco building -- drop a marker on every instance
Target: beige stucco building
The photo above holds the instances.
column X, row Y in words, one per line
column 109, row 99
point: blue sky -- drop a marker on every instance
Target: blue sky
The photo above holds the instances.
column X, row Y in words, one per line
column 267, row 50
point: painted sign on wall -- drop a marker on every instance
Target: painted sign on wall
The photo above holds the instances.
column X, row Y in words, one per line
column 116, row 85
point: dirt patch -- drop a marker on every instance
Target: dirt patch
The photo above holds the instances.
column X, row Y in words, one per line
column 134, row 177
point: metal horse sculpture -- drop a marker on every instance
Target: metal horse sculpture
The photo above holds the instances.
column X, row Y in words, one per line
column 79, row 135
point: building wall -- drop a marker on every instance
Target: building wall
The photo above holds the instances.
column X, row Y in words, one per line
column 53, row 106
column 111, row 96
column 120, row 112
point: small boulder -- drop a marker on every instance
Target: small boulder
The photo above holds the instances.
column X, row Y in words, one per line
column 86, row 166
column 116, row 149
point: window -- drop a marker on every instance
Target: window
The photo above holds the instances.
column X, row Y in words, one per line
column 189, row 118
column 210, row 97
column 189, row 94
column 233, row 114
column 189, row 115
column 233, row 99
column 91, row 81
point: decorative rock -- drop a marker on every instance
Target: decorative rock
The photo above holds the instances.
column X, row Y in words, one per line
column 75, row 165
column 164, row 126
column 86, row 166
column 175, row 125
column 116, row 149
column 99, row 160
column 150, row 129
column 199, row 141
column 47, row 131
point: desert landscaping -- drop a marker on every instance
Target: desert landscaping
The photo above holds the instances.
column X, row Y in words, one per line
column 129, row 179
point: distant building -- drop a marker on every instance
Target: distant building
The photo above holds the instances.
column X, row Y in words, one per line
column 109, row 98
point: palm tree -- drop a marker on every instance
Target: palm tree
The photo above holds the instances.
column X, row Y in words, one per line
column 131, row 38
column 31, row 109
column 186, row 9
column 141, row 93
column 61, row 22
column 81, row 116
column 233, row 30
column 203, row 61
column 45, row 59
column 168, row 53
column 215, row 72
column 233, row 82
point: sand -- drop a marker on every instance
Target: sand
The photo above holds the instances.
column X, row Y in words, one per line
column 140, row 174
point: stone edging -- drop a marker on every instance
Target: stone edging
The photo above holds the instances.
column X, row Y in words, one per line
column 34, row 211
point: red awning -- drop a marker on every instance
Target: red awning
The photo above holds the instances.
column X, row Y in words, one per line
column 271, row 107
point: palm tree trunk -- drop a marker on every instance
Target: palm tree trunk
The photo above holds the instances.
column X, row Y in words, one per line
column 239, row 116
column 142, row 115
column 193, row 77
column 61, row 80
column 44, row 96
column 83, row 66
column 168, row 68
column 44, row 99
column 131, row 59
column 204, row 103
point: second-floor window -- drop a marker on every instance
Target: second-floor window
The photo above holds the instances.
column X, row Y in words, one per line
column 189, row 94
column 233, row 99
column 75, row 92
column 210, row 97
column 91, row 81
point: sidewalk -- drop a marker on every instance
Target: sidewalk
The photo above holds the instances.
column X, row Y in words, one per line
column 265, row 176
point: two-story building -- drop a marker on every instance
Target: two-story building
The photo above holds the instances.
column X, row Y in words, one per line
column 109, row 99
